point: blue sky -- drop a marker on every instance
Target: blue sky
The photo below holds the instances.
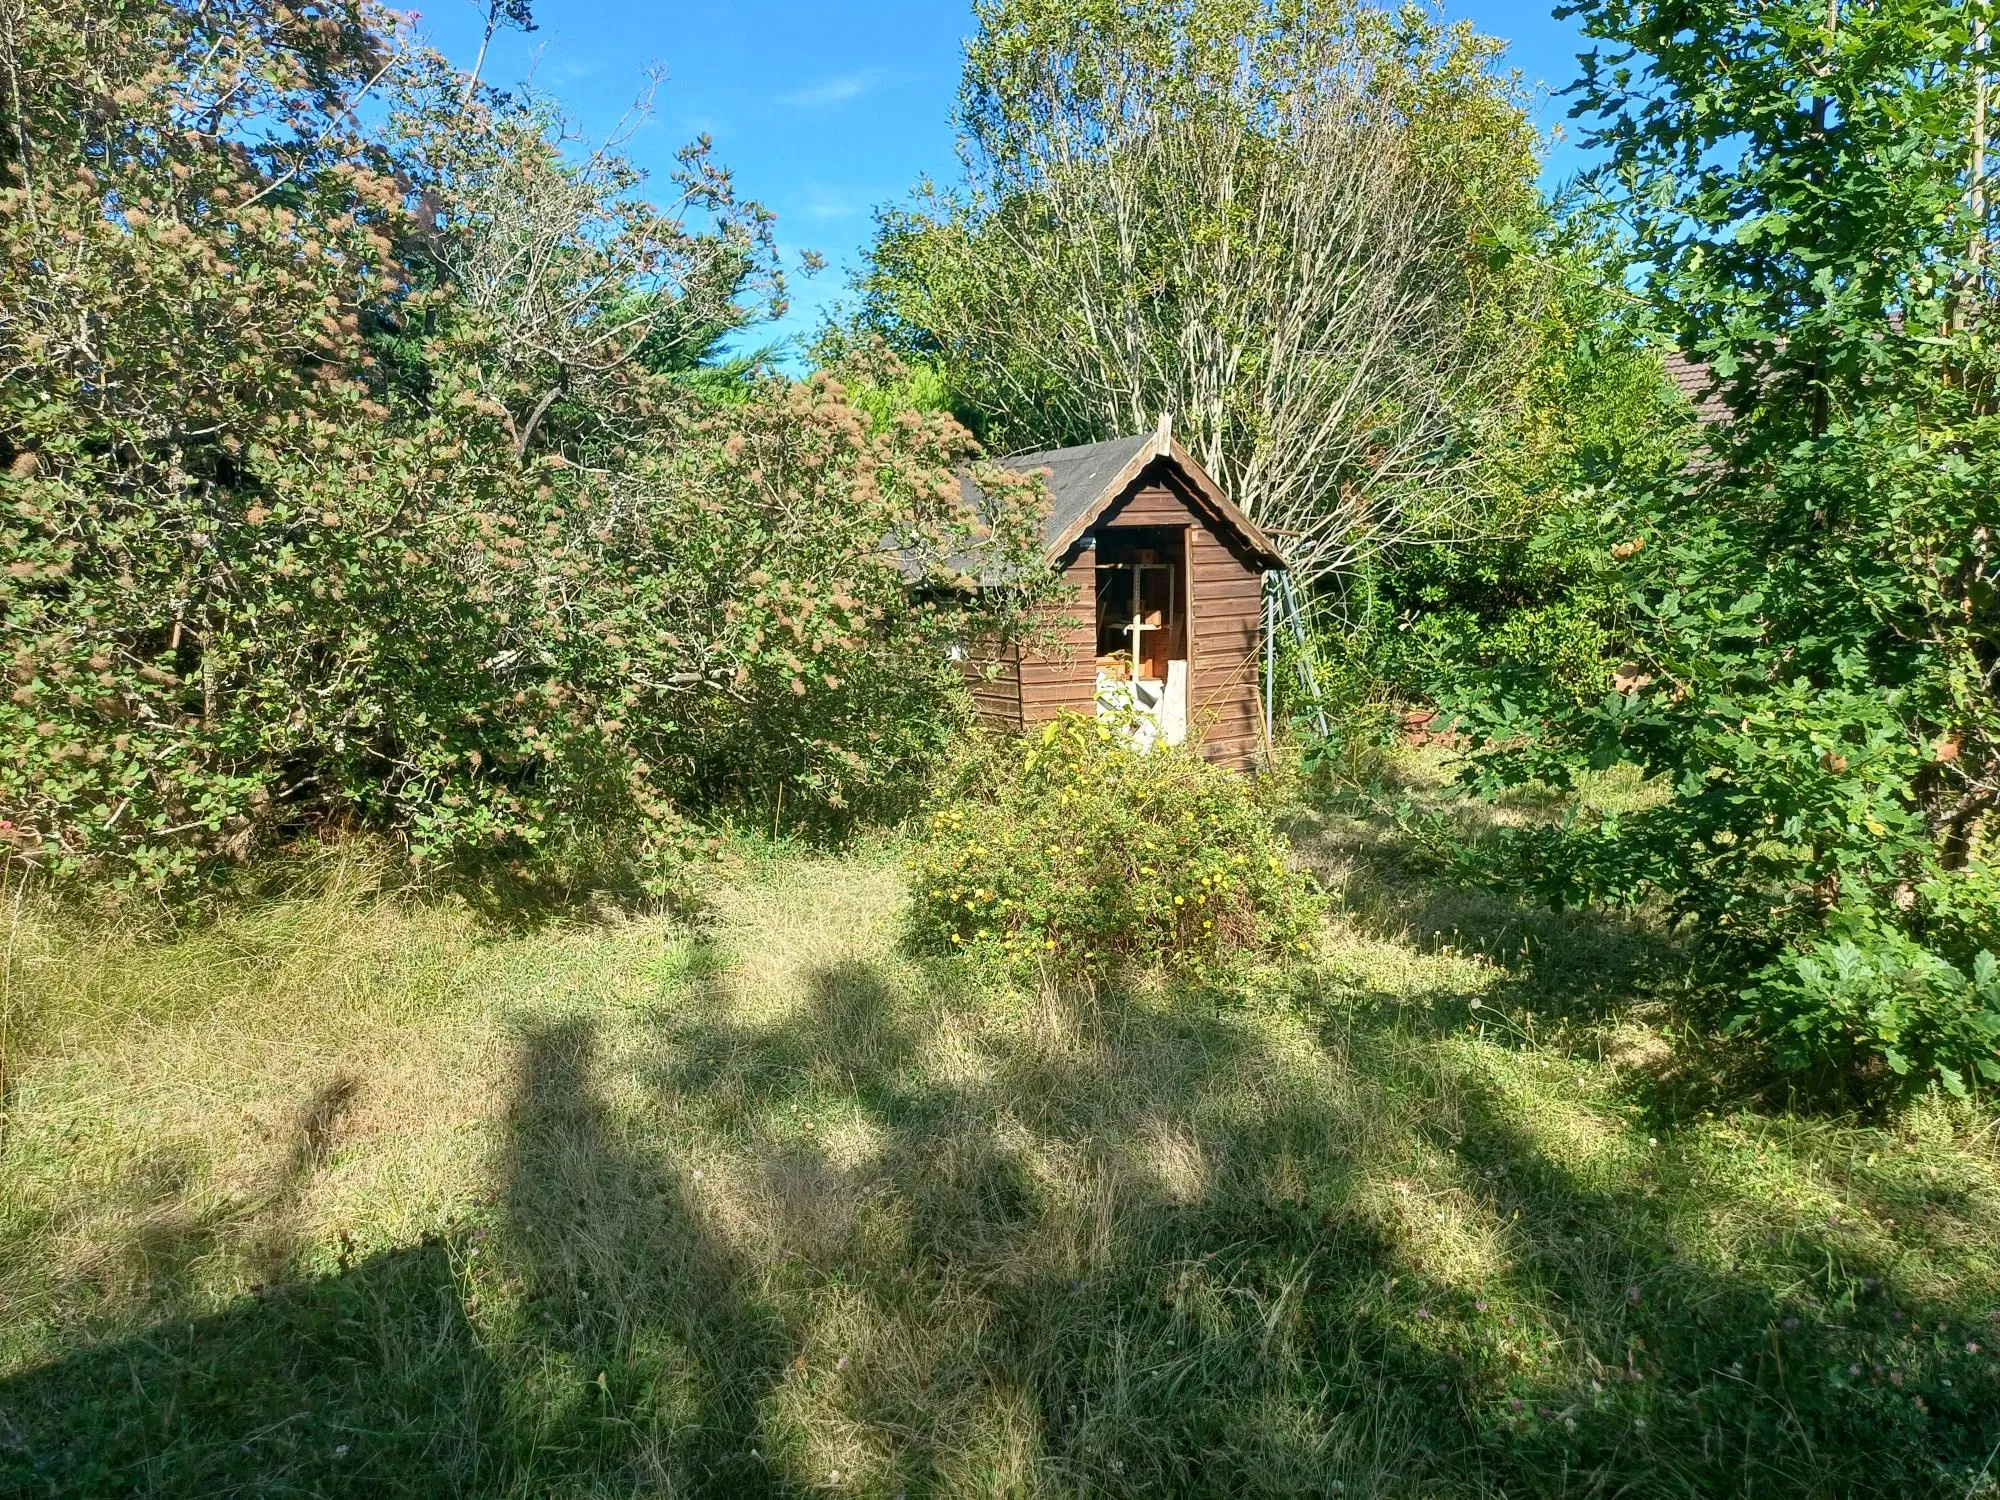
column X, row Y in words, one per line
column 823, row 111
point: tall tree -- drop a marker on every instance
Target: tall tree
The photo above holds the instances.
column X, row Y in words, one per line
column 1812, row 615
column 1289, row 224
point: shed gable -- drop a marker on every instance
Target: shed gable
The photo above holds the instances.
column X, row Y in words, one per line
column 1132, row 486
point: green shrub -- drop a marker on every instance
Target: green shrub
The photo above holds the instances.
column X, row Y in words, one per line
column 338, row 517
column 1070, row 848
column 1874, row 991
column 1958, row 911
column 1807, row 610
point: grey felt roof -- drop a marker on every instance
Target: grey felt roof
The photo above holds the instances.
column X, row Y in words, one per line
column 1077, row 476
column 1077, row 481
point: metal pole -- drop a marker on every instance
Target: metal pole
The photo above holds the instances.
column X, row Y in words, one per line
column 1306, row 677
column 1270, row 667
column 1978, row 174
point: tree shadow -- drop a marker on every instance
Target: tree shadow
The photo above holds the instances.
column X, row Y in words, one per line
column 168, row 1232
column 519, row 895
column 1582, row 964
column 904, row 1231
column 1051, row 1279
column 1803, row 1365
column 369, row 1382
column 1125, row 1244
column 1616, row 982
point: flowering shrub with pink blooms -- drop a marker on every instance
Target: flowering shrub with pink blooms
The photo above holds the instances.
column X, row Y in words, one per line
column 347, row 473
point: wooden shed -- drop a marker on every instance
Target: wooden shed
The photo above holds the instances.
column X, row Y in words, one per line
column 1167, row 614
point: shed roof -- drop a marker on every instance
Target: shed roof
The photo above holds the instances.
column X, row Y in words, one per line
column 1078, row 479
column 1083, row 482
column 1086, row 480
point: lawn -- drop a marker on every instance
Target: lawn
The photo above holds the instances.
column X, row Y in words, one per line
column 352, row 1193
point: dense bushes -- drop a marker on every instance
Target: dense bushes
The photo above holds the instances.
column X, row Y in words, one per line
column 1808, row 608
column 351, row 473
column 1070, row 848
column 1873, row 992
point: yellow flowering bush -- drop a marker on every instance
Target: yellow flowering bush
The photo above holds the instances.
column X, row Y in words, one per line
column 1069, row 848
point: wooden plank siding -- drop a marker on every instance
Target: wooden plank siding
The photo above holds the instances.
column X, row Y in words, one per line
column 1062, row 674
column 1225, row 619
column 993, row 678
column 1228, row 632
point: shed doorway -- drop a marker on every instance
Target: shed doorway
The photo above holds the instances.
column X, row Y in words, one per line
column 1142, row 631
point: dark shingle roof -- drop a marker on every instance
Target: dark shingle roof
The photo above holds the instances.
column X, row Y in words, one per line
column 1079, row 481
column 1077, row 476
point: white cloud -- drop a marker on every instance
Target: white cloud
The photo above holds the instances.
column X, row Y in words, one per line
column 820, row 203
column 835, row 90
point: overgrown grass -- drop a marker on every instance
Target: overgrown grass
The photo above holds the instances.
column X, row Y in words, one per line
column 351, row 1194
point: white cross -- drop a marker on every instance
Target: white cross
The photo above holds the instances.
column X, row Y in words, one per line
column 1133, row 629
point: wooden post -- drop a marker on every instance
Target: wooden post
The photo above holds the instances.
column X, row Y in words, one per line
column 1270, row 671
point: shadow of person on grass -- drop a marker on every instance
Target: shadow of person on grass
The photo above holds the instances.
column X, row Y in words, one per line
column 641, row 1354
column 368, row 1382
column 617, row 1349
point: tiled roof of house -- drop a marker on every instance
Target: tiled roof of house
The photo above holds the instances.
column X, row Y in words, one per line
column 1697, row 382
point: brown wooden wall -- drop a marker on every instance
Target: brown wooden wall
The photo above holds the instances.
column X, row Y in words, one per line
column 1062, row 672
column 1225, row 614
column 993, row 676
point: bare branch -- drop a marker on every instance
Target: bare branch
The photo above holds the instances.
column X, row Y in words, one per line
column 1263, row 252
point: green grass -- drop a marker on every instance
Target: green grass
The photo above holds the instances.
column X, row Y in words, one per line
column 348, row 1194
